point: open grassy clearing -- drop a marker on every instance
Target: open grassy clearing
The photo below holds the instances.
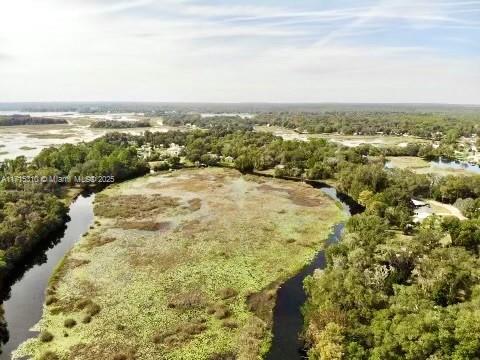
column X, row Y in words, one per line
column 408, row 162
column 182, row 266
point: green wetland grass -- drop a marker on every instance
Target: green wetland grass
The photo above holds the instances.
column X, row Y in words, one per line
column 181, row 266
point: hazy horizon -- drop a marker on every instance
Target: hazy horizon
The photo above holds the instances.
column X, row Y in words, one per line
column 239, row 107
column 234, row 102
column 210, row 51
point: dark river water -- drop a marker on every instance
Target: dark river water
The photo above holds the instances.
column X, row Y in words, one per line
column 24, row 304
column 287, row 314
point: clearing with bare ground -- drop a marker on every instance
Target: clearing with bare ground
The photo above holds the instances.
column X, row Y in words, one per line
column 182, row 266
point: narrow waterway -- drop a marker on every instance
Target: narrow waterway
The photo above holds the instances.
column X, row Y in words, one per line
column 287, row 314
column 23, row 305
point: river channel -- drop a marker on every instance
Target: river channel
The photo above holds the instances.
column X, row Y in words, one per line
column 23, row 304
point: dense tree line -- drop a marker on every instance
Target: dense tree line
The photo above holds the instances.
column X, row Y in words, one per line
column 163, row 139
column 117, row 124
column 26, row 217
column 469, row 207
column 29, row 214
column 424, row 151
column 4, row 336
column 387, row 296
column 384, row 296
column 446, row 130
column 425, row 125
column 98, row 158
column 450, row 188
column 17, row 120
column 230, row 123
column 413, row 299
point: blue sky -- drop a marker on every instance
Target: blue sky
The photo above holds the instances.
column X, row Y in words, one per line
column 276, row 51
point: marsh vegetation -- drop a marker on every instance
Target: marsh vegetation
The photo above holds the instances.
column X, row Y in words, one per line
column 184, row 265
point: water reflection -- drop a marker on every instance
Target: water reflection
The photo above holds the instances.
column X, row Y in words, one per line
column 23, row 301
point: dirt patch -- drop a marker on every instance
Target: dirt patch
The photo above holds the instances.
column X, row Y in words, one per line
column 300, row 197
column 191, row 227
column 107, row 351
column 262, row 303
column 251, row 338
column 75, row 263
column 158, row 261
column 189, row 185
column 145, row 225
column 196, row 182
column 229, row 355
column 97, row 241
column 268, row 188
column 51, row 136
column 71, row 304
column 256, row 179
column 133, row 206
column 194, row 204
column 181, row 334
column 194, row 299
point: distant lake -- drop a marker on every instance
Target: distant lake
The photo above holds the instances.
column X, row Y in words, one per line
column 242, row 115
column 36, row 114
column 76, row 115
column 434, row 166
column 455, row 165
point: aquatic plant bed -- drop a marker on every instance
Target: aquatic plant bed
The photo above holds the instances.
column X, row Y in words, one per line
column 182, row 265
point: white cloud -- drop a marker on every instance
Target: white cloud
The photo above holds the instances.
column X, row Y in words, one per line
column 178, row 50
